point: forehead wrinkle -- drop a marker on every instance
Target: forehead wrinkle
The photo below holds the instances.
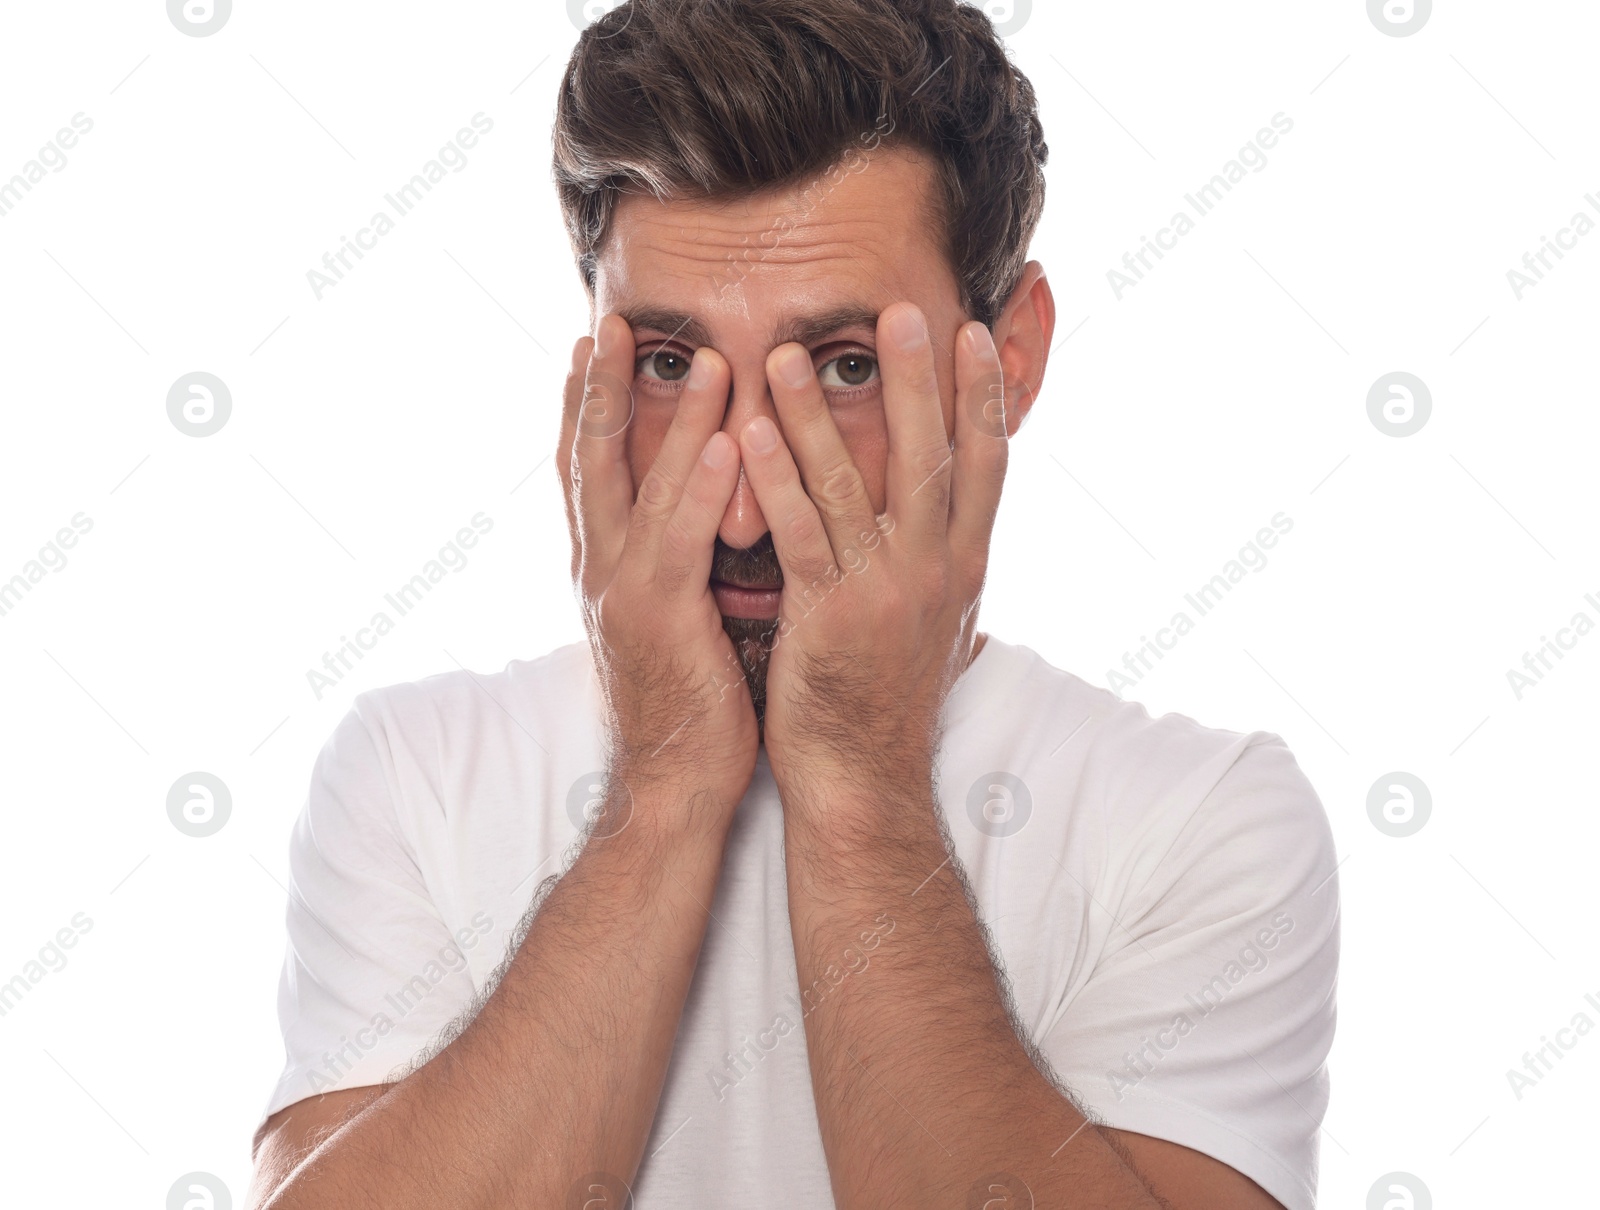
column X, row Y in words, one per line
column 695, row 218
column 801, row 328
column 784, row 249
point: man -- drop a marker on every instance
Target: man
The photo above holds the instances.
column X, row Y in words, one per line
column 790, row 888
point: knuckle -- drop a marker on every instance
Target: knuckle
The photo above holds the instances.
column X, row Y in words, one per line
column 932, row 464
column 604, row 610
column 655, row 493
column 677, row 553
column 806, row 531
column 840, row 484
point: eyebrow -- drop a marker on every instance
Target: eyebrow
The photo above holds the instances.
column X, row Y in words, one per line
column 796, row 329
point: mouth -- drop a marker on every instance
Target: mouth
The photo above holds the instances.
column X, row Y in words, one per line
column 755, row 601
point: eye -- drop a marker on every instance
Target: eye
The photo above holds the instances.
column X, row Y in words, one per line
column 855, row 369
column 664, row 365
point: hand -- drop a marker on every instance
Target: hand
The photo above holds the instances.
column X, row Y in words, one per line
column 680, row 720
column 878, row 614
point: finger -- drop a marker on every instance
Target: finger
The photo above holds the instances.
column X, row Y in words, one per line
column 982, row 446
column 602, row 481
column 798, row 534
column 687, row 540
column 827, row 470
column 920, row 463
column 702, row 404
column 571, row 401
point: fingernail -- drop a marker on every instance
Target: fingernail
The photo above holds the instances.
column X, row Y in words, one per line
column 716, row 452
column 602, row 338
column 794, row 367
column 699, row 370
column 762, row 435
column 981, row 341
column 907, row 330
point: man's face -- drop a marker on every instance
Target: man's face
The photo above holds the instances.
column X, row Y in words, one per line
column 749, row 275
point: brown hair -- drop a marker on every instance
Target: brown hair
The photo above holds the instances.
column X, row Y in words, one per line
column 725, row 98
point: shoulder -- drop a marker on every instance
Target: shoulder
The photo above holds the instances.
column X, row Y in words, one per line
column 1127, row 749
column 405, row 752
column 1167, row 790
column 525, row 690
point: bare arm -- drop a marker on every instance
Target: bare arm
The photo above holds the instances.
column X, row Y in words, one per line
column 926, row 1090
column 557, row 1077
column 927, row 1093
column 547, row 1095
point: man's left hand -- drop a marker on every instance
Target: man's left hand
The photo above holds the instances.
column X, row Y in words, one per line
column 878, row 611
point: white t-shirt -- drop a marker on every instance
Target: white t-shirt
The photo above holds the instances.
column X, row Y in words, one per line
column 1162, row 896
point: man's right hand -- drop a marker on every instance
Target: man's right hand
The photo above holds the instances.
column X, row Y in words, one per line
column 572, row 1055
column 680, row 720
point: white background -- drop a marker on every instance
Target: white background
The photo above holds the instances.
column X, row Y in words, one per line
column 369, row 426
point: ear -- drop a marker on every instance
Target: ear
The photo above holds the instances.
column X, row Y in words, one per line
column 1022, row 336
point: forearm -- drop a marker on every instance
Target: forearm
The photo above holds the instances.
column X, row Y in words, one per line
column 922, row 1085
column 558, row 1075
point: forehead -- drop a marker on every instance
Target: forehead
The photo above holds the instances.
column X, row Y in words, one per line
column 788, row 263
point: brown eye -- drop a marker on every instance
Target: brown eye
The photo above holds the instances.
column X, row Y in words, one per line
column 850, row 370
column 664, row 365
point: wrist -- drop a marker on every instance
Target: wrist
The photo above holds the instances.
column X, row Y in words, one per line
column 672, row 801
column 859, row 811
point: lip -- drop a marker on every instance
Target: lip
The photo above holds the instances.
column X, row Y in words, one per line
column 738, row 601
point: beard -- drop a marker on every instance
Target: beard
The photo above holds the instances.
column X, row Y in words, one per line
column 752, row 644
column 752, row 638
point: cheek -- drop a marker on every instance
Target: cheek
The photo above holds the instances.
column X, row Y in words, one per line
column 866, row 437
column 646, row 432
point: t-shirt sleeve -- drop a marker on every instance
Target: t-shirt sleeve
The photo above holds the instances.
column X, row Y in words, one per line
column 371, row 972
column 1208, row 1020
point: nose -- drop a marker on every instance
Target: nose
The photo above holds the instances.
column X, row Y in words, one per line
column 742, row 523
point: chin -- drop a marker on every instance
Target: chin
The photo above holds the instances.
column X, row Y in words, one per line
column 752, row 645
